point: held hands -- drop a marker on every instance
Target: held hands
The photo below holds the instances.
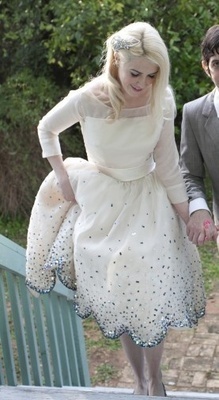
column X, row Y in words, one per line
column 201, row 228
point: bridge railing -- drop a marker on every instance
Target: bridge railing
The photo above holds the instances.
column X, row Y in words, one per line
column 41, row 339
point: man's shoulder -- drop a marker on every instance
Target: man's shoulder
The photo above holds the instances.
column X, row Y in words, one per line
column 197, row 103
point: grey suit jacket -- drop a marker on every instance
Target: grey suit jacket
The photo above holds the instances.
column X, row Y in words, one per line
column 199, row 148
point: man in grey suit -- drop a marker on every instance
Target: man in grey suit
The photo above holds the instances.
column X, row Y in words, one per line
column 199, row 148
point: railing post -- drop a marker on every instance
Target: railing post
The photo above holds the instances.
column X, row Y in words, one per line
column 48, row 346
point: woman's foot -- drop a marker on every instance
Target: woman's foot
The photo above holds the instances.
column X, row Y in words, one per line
column 156, row 389
column 141, row 388
column 164, row 389
column 140, row 391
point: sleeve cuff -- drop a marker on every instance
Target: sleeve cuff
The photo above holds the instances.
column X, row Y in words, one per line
column 51, row 147
column 198, row 204
column 177, row 194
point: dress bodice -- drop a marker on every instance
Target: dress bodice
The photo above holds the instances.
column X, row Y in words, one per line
column 127, row 142
column 124, row 143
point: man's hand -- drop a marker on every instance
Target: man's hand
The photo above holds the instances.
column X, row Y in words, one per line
column 201, row 228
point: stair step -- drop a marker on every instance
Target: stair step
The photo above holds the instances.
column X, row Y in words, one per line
column 93, row 393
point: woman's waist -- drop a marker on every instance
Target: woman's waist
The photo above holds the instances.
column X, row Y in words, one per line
column 131, row 173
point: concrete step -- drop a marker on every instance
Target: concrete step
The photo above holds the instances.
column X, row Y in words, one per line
column 170, row 395
column 96, row 393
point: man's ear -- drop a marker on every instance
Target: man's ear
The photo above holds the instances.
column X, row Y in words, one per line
column 206, row 68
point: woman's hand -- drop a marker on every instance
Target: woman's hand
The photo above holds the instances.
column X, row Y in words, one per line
column 201, row 228
column 66, row 188
column 57, row 165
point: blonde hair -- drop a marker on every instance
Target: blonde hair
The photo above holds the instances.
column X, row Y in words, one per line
column 147, row 42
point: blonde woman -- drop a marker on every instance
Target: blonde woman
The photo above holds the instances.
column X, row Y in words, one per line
column 113, row 227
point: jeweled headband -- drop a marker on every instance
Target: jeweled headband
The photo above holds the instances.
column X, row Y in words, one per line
column 119, row 43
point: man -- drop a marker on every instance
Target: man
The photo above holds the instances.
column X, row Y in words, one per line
column 199, row 147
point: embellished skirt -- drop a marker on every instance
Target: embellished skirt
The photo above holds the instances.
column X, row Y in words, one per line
column 121, row 248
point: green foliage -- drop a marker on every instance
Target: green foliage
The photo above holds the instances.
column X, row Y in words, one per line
column 23, row 98
column 76, row 35
column 104, row 372
column 182, row 24
column 96, row 340
column 49, row 47
column 209, row 257
column 15, row 229
column 20, row 37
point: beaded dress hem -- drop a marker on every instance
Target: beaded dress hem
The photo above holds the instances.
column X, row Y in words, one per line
column 121, row 241
column 190, row 322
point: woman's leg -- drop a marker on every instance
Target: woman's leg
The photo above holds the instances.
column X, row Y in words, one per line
column 154, row 376
column 135, row 355
column 148, row 375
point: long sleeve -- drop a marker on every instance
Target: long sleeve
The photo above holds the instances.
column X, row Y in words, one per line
column 65, row 114
column 191, row 160
column 167, row 163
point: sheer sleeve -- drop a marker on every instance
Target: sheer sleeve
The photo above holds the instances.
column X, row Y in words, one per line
column 65, row 114
column 167, row 161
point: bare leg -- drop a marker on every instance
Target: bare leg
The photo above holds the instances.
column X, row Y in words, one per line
column 153, row 359
column 135, row 355
column 152, row 383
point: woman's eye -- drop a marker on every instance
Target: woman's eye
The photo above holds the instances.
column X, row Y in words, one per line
column 134, row 74
column 152, row 76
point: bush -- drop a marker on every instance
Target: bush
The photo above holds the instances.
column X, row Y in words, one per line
column 24, row 98
column 47, row 48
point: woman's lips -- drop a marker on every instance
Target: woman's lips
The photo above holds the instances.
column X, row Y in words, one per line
column 137, row 89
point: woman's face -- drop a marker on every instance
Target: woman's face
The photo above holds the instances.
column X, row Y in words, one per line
column 136, row 77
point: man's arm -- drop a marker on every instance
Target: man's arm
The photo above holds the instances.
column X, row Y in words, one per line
column 191, row 160
column 200, row 227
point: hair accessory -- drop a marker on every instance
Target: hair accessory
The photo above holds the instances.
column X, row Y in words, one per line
column 206, row 223
column 118, row 43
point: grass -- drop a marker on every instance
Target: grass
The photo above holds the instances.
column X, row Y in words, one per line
column 103, row 373
column 99, row 348
column 95, row 340
column 210, row 264
column 14, row 229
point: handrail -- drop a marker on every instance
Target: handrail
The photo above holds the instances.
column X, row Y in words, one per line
column 41, row 339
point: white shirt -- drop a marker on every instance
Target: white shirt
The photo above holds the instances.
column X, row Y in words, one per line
column 198, row 204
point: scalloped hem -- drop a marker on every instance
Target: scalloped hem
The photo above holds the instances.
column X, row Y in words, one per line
column 149, row 343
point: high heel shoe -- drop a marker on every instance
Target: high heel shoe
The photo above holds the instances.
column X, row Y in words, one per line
column 164, row 390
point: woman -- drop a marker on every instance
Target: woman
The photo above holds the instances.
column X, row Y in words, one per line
column 113, row 227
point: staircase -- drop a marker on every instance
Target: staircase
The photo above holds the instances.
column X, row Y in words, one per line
column 84, row 393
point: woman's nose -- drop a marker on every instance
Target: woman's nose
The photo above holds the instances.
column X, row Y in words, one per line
column 140, row 81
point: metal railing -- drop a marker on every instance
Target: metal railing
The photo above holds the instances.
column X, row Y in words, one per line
column 41, row 339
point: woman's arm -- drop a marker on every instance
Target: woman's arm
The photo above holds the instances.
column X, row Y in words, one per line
column 65, row 114
column 182, row 210
column 57, row 165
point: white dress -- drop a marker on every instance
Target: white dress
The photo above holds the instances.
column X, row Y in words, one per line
column 121, row 247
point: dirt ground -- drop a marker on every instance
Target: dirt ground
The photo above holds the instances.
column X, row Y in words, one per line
column 106, row 358
column 190, row 361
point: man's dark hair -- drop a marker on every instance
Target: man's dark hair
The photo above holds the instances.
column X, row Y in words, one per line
column 210, row 43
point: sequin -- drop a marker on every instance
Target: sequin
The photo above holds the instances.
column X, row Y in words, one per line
column 120, row 248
